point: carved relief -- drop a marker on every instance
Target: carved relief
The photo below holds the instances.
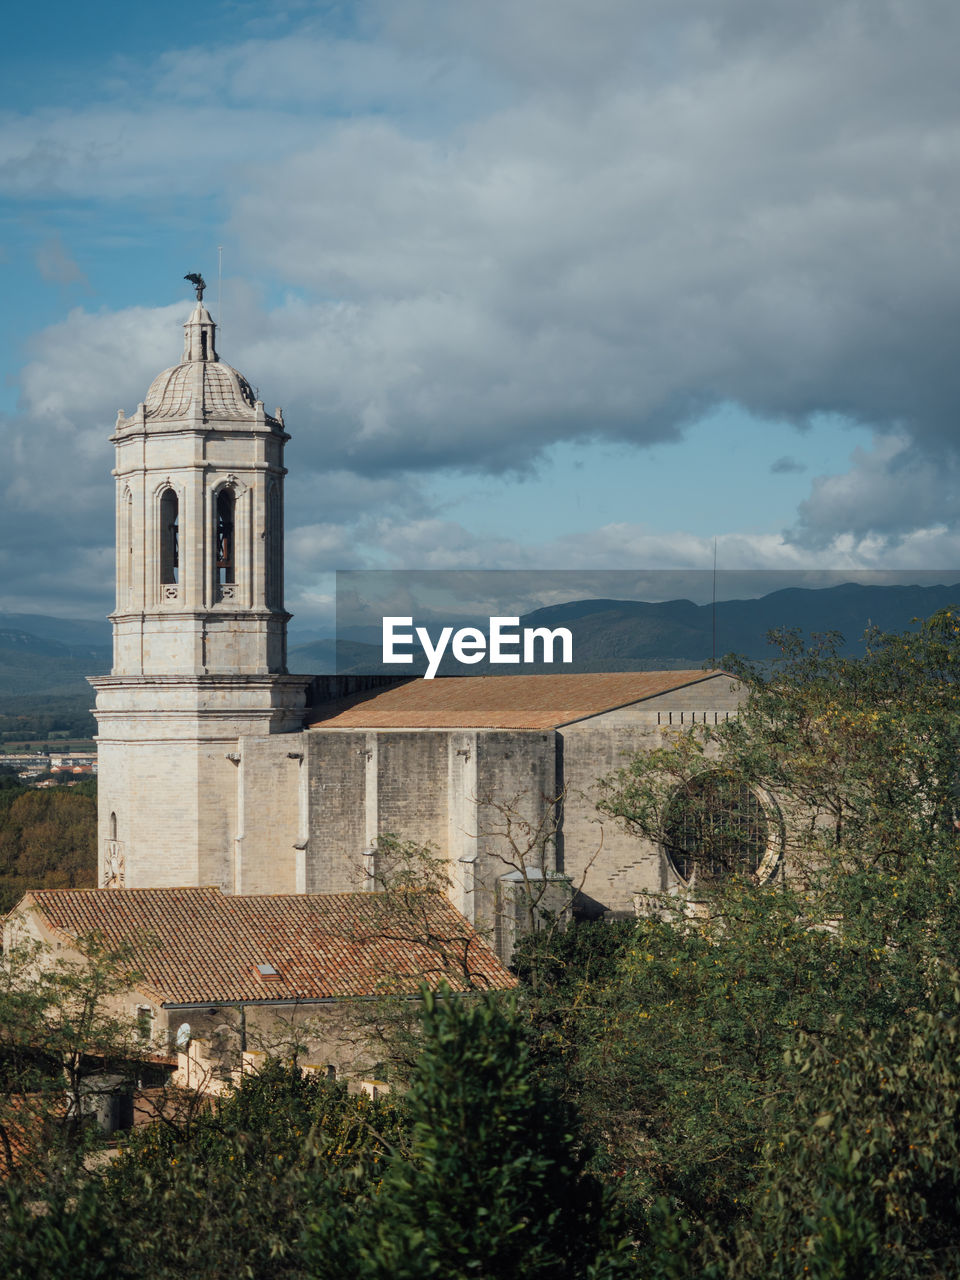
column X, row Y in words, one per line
column 113, row 866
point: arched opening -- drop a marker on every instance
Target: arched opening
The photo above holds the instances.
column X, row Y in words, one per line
column 274, row 550
column 716, row 828
column 126, row 549
column 225, row 566
column 169, row 537
column 113, row 826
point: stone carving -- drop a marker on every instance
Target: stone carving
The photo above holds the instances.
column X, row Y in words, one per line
column 113, row 865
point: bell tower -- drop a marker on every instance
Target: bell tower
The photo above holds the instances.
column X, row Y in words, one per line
column 199, row 627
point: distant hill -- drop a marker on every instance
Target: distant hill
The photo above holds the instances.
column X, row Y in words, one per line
column 44, row 664
column 45, row 661
column 31, row 664
column 629, row 635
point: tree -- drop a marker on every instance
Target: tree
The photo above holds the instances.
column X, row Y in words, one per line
column 266, row 1184
column 48, row 840
column 855, row 760
column 62, row 1049
column 493, row 1182
column 678, row 1050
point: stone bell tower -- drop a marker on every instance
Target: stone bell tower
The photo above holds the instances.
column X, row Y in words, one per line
column 199, row 628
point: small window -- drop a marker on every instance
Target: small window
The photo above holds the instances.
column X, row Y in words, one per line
column 226, row 510
column 274, row 556
column 716, row 827
column 144, row 1022
column 169, row 537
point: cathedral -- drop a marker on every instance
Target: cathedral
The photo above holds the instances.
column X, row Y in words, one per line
column 219, row 769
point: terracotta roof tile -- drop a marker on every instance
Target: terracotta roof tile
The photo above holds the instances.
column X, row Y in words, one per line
column 200, row 945
column 499, row 702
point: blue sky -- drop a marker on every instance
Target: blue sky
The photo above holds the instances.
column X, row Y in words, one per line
column 546, row 283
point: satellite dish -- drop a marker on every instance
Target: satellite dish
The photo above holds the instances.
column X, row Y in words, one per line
column 183, row 1035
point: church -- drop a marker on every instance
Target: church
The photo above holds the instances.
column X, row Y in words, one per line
column 219, row 769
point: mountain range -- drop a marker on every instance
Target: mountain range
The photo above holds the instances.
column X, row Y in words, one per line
column 49, row 658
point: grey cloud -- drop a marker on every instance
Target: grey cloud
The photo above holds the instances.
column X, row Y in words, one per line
column 634, row 210
column 786, row 466
column 889, row 492
column 761, row 221
column 56, row 265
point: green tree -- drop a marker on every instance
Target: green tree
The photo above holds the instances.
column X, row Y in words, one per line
column 677, row 1051
column 63, row 1049
column 864, row 1167
column 493, row 1182
column 48, row 840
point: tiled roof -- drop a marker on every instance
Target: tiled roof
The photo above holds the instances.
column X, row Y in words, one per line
column 200, row 945
column 499, row 702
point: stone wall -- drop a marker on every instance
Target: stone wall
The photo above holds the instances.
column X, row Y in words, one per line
column 605, row 861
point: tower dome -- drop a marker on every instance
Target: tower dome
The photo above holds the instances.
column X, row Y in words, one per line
column 202, row 385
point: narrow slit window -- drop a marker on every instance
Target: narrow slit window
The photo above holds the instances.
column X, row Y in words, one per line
column 169, row 537
column 126, row 563
column 226, row 509
column 274, row 550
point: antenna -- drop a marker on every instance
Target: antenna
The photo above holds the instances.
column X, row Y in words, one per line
column 219, row 287
column 713, row 662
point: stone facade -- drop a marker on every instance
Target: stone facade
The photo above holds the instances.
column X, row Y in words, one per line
column 199, row 624
column 218, row 768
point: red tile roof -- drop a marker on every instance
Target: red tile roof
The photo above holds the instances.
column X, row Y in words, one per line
column 195, row 946
column 499, row 702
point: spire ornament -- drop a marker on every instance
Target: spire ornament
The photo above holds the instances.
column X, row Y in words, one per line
column 198, row 283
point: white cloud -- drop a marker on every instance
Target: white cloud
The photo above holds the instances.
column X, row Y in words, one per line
column 503, row 225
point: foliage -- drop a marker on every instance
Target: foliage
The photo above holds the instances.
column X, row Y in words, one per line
column 494, row 1182
column 759, row 1076
column 50, row 716
column 864, row 1176
column 48, row 840
column 683, row 1050
column 62, row 1048
column 478, row 1172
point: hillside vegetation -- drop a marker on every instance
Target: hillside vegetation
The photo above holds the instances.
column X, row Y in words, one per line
column 48, row 839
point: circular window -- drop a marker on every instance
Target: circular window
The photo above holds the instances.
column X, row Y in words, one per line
column 716, row 827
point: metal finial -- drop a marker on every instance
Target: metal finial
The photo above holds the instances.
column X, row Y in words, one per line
column 198, row 282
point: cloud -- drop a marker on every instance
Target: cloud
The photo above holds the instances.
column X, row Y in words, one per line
column 605, row 253
column 56, row 265
column 787, row 466
column 471, row 231
column 892, row 492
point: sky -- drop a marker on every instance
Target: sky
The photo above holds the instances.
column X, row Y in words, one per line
column 540, row 284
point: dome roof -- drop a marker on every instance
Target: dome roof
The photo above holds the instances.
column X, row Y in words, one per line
column 216, row 389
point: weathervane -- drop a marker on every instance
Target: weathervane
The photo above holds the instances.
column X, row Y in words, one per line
column 198, row 282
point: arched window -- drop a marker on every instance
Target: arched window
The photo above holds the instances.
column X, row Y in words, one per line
column 126, row 548
column 113, row 826
column 169, row 537
column 716, row 827
column 274, row 550
column 225, row 563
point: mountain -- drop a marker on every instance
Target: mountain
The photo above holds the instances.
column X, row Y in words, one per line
column 627, row 631
column 624, row 635
column 43, row 657
column 72, row 632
